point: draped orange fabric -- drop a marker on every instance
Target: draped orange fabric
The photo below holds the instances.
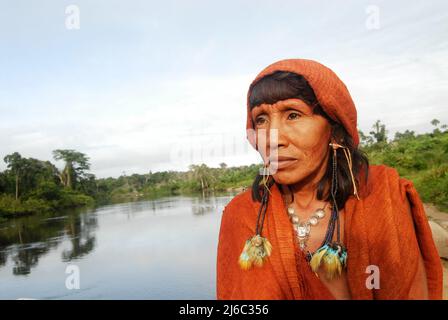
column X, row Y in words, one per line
column 378, row 230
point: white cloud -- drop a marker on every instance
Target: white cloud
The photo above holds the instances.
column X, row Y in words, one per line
column 194, row 111
column 129, row 87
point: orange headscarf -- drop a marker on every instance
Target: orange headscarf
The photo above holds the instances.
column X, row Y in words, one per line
column 330, row 91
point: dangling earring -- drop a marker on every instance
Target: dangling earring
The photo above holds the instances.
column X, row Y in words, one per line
column 348, row 156
column 332, row 255
column 257, row 248
column 266, row 176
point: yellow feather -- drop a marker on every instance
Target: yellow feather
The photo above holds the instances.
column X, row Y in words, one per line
column 255, row 251
column 332, row 266
column 267, row 247
column 245, row 264
column 258, row 259
column 244, row 260
column 316, row 259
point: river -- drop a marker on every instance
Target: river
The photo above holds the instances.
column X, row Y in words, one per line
column 156, row 249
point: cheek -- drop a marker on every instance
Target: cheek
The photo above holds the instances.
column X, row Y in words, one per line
column 315, row 151
column 312, row 142
column 313, row 158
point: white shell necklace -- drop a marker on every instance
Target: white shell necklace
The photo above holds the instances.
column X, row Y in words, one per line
column 303, row 228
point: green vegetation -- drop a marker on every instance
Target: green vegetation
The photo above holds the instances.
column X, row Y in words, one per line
column 423, row 159
column 30, row 186
column 198, row 179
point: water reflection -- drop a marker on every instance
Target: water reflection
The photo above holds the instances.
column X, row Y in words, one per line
column 80, row 230
column 158, row 249
column 26, row 258
column 201, row 206
column 26, row 239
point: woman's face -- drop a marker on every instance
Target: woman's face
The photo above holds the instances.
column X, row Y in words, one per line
column 302, row 136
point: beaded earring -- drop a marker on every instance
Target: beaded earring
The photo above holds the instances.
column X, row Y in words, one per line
column 332, row 255
column 258, row 248
column 348, row 156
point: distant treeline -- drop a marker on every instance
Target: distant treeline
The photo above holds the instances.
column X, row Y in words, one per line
column 422, row 158
column 31, row 186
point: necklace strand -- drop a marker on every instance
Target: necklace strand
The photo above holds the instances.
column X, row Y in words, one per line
column 303, row 228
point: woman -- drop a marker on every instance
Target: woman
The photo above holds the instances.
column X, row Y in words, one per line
column 319, row 222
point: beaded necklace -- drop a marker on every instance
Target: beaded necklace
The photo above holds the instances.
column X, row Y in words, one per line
column 331, row 255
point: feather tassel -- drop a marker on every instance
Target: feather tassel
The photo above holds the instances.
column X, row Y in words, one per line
column 244, row 260
column 255, row 252
column 317, row 257
column 332, row 257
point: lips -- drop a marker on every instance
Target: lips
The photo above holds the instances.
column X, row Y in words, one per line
column 281, row 158
column 282, row 162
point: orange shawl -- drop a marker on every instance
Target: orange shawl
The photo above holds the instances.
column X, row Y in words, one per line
column 378, row 231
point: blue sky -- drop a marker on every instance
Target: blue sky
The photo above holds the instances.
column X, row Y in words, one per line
column 145, row 85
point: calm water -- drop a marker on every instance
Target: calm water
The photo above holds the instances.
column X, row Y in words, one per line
column 160, row 249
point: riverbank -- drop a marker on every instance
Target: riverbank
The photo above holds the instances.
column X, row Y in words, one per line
column 438, row 221
column 14, row 208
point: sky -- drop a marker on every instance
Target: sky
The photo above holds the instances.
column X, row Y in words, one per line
column 143, row 86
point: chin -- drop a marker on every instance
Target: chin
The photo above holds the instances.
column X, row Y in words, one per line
column 286, row 177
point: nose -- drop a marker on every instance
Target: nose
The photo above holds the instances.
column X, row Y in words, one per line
column 276, row 138
column 276, row 126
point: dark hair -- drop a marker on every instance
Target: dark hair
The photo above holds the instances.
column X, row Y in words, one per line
column 282, row 85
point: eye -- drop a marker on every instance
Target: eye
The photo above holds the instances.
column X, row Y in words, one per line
column 293, row 116
column 260, row 120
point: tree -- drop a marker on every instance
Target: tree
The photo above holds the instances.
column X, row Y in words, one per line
column 28, row 173
column 365, row 140
column 405, row 135
column 16, row 164
column 148, row 177
column 37, row 172
column 379, row 132
column 76, row 165
column 435, row 122
column 88, row 185
column 3, row 182
column 203, row 175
